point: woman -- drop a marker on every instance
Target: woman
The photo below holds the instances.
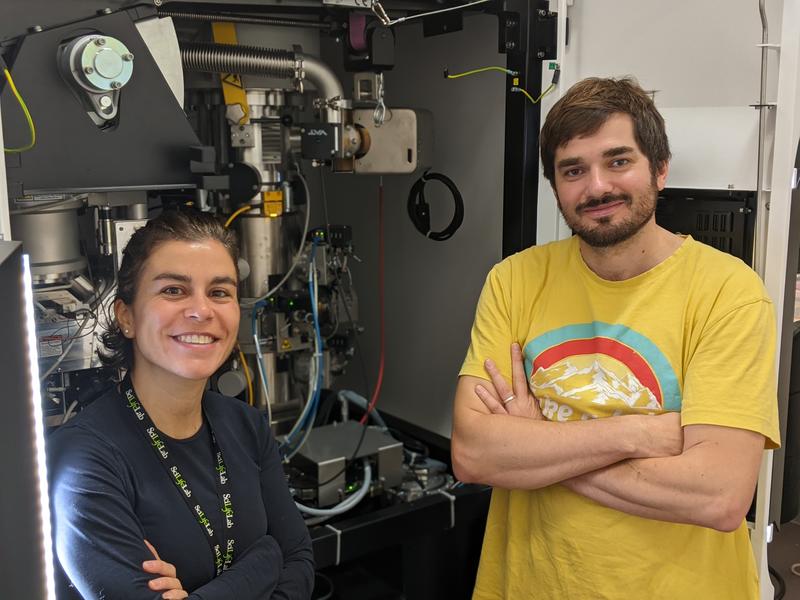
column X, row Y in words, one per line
column 160, row 468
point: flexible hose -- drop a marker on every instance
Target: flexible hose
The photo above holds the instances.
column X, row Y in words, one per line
column 344, row 505
column 243, row 60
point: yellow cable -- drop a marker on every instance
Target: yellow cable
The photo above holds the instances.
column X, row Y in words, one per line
column 246, row 370
column 481, row 70
column 529, row 97
column 27, row 116
column 236, row 214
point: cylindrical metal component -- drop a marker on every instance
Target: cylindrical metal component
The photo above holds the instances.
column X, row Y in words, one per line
column 52, row 239
column 270, row 139
column 243, row 60
column 262, row 247
column 137, row 211
column 105, row 231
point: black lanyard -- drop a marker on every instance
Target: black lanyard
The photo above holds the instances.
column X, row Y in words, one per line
column 221, row 479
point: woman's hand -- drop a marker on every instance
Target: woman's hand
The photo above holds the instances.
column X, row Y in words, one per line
column 168, row 582
column 502, row 399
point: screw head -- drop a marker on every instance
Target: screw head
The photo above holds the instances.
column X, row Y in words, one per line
column 510, row 45
column 88, row 70
column 541, row 12
column 127, row 57
column 116, row 85
column 100, row 41
column 540, row 54
column 35, row 28
column 105, row 101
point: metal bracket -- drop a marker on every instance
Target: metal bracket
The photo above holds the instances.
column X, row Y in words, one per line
column 242, row 136
column 545, row 34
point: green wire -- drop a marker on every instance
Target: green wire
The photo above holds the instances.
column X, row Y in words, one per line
column 481, row 70
column 27, row 116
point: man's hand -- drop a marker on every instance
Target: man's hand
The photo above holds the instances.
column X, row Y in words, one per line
column 168, row 582
column 658, row 436
column 517, row 399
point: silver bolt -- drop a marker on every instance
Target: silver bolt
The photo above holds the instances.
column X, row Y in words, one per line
column 348, row 154
column 540, row 54
column 542, row 13
column 333, row 152
column 105, row 101
column 127, row 57
column 100, row 41
column 116, row 85
column 88, row 70
column 510, row 45
column 35, row 28
column 353, row 140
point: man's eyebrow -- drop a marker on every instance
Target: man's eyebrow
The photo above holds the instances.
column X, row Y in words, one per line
column 611, row 152
column 220, row 279
column 569, row 162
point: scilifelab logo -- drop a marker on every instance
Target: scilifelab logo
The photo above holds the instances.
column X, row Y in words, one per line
column 180, row 481
column 157, row 443
column 227, row 510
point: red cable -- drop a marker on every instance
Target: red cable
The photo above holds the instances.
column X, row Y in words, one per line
column 379, row 382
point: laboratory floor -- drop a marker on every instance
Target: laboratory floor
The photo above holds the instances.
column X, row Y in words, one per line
column 784, row 551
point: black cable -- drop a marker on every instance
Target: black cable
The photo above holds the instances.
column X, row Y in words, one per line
column 419, row 211
column 780, row 592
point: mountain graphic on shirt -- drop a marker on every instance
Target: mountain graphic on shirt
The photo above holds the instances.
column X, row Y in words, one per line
column 601, row 387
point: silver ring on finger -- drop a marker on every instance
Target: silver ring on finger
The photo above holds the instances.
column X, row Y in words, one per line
column 509, row 399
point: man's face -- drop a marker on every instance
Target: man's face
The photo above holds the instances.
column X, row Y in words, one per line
column 604, row 185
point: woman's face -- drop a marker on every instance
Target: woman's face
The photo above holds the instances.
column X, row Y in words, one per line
column 184, row 319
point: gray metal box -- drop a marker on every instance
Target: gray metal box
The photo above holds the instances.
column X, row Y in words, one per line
column 328, row 449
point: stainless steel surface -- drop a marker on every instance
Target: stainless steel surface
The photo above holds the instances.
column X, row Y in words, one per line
column 137, row 212
column 52, row 239
column 262, row 246
column 328, row 448
column 123, row 230
column 326, row 82
column 403, row 144
column 161, row 40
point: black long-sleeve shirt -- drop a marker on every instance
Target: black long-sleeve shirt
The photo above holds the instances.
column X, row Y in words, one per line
column 109, row 493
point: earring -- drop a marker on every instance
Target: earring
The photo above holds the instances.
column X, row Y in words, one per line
column 127, row 331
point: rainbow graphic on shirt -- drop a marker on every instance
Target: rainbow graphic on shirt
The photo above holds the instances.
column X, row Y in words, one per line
column 598, row 369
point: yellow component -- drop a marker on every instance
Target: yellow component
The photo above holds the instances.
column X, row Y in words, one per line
column 232, row 88
column 286, row 344
column 24, row 110
column 273, row 203
column 243, row 360
column 516, row 81
column 235, row 214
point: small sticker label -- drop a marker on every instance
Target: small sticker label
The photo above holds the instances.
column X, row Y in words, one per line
column 50, row 345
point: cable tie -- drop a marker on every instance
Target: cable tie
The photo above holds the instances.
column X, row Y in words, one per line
column 338, row 533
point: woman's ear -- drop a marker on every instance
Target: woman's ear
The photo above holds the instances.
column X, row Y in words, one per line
column 124, row 317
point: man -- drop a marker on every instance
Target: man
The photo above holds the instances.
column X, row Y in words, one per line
column 625, row 451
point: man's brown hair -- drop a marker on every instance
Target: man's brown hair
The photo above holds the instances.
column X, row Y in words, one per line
column 588, row 104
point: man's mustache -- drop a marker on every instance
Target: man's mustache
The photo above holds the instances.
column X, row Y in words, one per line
column 608, row 198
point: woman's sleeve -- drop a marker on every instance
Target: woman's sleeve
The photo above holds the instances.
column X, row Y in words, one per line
column 98, row 539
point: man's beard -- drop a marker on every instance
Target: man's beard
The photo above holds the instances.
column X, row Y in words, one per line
column 602, row 234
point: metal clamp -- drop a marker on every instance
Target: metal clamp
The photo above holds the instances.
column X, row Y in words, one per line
column 338, row 533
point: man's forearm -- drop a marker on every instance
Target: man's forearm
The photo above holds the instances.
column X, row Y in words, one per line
column 699, row 487
column 518, row 453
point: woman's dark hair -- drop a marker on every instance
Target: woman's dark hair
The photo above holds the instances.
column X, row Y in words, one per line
column 169, row 226
column 586, row 107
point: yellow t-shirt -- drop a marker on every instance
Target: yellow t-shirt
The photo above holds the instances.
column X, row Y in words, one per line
column 695, row 334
